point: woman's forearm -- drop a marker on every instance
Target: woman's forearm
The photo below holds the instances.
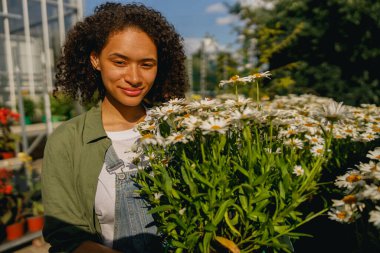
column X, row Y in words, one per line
column 93, row 247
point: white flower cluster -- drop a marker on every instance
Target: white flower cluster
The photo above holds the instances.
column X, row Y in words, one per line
column 362, row 191
column 246, row 79
column 301, row 120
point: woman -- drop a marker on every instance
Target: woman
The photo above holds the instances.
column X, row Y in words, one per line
column 128, row 57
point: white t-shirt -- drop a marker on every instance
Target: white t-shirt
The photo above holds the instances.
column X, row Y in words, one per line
column 123, row 143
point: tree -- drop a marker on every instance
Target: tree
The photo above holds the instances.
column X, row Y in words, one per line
column 328, row 48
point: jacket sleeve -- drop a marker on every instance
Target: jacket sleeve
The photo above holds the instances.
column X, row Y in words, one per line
column 65, row 227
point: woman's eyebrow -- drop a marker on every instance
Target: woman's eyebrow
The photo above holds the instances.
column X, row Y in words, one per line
column 127, row 58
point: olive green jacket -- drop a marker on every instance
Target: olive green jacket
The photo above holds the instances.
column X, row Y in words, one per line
column 73, row 158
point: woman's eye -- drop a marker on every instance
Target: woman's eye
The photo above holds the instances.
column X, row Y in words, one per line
column 147, row 65
column 119, row 63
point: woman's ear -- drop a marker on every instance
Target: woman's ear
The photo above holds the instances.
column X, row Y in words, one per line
column 94, row 60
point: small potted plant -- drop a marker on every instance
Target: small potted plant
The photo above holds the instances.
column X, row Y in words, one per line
column 7, row 139
column 13, row 218
column 36, row 221
column 29, row 110
column 6, row 189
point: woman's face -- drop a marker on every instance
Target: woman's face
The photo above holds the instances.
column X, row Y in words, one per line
column 128, row 66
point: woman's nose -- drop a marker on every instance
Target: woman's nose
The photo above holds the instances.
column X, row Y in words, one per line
column 133, row 76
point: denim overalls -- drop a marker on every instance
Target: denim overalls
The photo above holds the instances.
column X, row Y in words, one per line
column 134, row 229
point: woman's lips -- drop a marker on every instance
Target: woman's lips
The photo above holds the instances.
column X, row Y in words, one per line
column 132, row 92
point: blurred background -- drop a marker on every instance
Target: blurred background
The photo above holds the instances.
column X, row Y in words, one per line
column 327, row 48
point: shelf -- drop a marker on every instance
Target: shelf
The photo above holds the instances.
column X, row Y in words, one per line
column 7, row 245
column 11, row 163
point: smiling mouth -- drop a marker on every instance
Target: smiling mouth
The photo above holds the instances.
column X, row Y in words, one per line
column 132, row 92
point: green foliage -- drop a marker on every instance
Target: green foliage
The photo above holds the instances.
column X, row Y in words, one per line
column 29, row 107
column 332, row 46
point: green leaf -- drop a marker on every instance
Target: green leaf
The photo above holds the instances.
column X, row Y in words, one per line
column 201, row 179
column 240, row 168
column 162, row 208
column 222, row 209
column 210, row 227
column 229, row 223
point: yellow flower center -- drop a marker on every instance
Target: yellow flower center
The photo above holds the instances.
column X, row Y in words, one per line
column 148, row 136
column 215, row 127
column 353, row 178
column 257, row 75
column 341, row 215
column 234, row 78
column 349, row 199
column 179, row 137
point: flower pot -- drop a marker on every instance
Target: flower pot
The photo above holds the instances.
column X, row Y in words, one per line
column 35, row 223
column 15, row 230
column 6, row 155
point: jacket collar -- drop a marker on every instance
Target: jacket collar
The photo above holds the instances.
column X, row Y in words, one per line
column 93, row 127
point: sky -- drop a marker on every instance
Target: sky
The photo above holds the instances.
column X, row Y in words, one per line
column 193, row 19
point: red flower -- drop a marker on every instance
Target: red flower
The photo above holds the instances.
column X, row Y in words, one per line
column 8, row 189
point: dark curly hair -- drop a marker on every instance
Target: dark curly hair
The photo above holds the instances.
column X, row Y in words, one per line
column 77, row 78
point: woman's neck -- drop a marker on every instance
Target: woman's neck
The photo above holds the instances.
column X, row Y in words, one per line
column 119, row 118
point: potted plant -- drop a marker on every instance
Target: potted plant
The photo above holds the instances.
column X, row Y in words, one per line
column 16, row 221
column 29, row 109
column 34, row 209
column 8, row 140
column 5, row 189
column 61, row 108
column 36, row 221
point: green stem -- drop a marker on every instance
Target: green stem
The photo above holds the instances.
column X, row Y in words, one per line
column 236, row 92
column 257, row 91
column 203, row 153
column 296, row 226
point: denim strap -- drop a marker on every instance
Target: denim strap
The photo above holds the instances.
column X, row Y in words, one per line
column 134, row 229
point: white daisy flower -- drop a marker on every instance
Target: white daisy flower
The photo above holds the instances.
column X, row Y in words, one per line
column 239, row 102
column 374, row 154
column 348, row 180
column 298, row 171
column 374, row 217
column 294, row 142
column 176, row 138
column 150, row 139
column 315, row 139
column 214, row 125
column 236, row 80
column 165, row 111
column 368, row 136
column 148, row 126
column 334, row 111
column 317, row 150
column 203, row 104
column 350, row 130
column 191, row 122
column 338, row 133
column 342, row 214
column 177, row 101
column 290, row 131
column 370, row 167
column 371, row 192
column 247, row 113
column 265, row 74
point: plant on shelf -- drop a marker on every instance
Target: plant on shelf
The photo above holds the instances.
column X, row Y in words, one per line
column 61, row 107
column 8, row 139
column 11, row 211
column 29, row 109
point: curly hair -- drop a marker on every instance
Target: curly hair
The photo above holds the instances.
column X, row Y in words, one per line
column 77, row 78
